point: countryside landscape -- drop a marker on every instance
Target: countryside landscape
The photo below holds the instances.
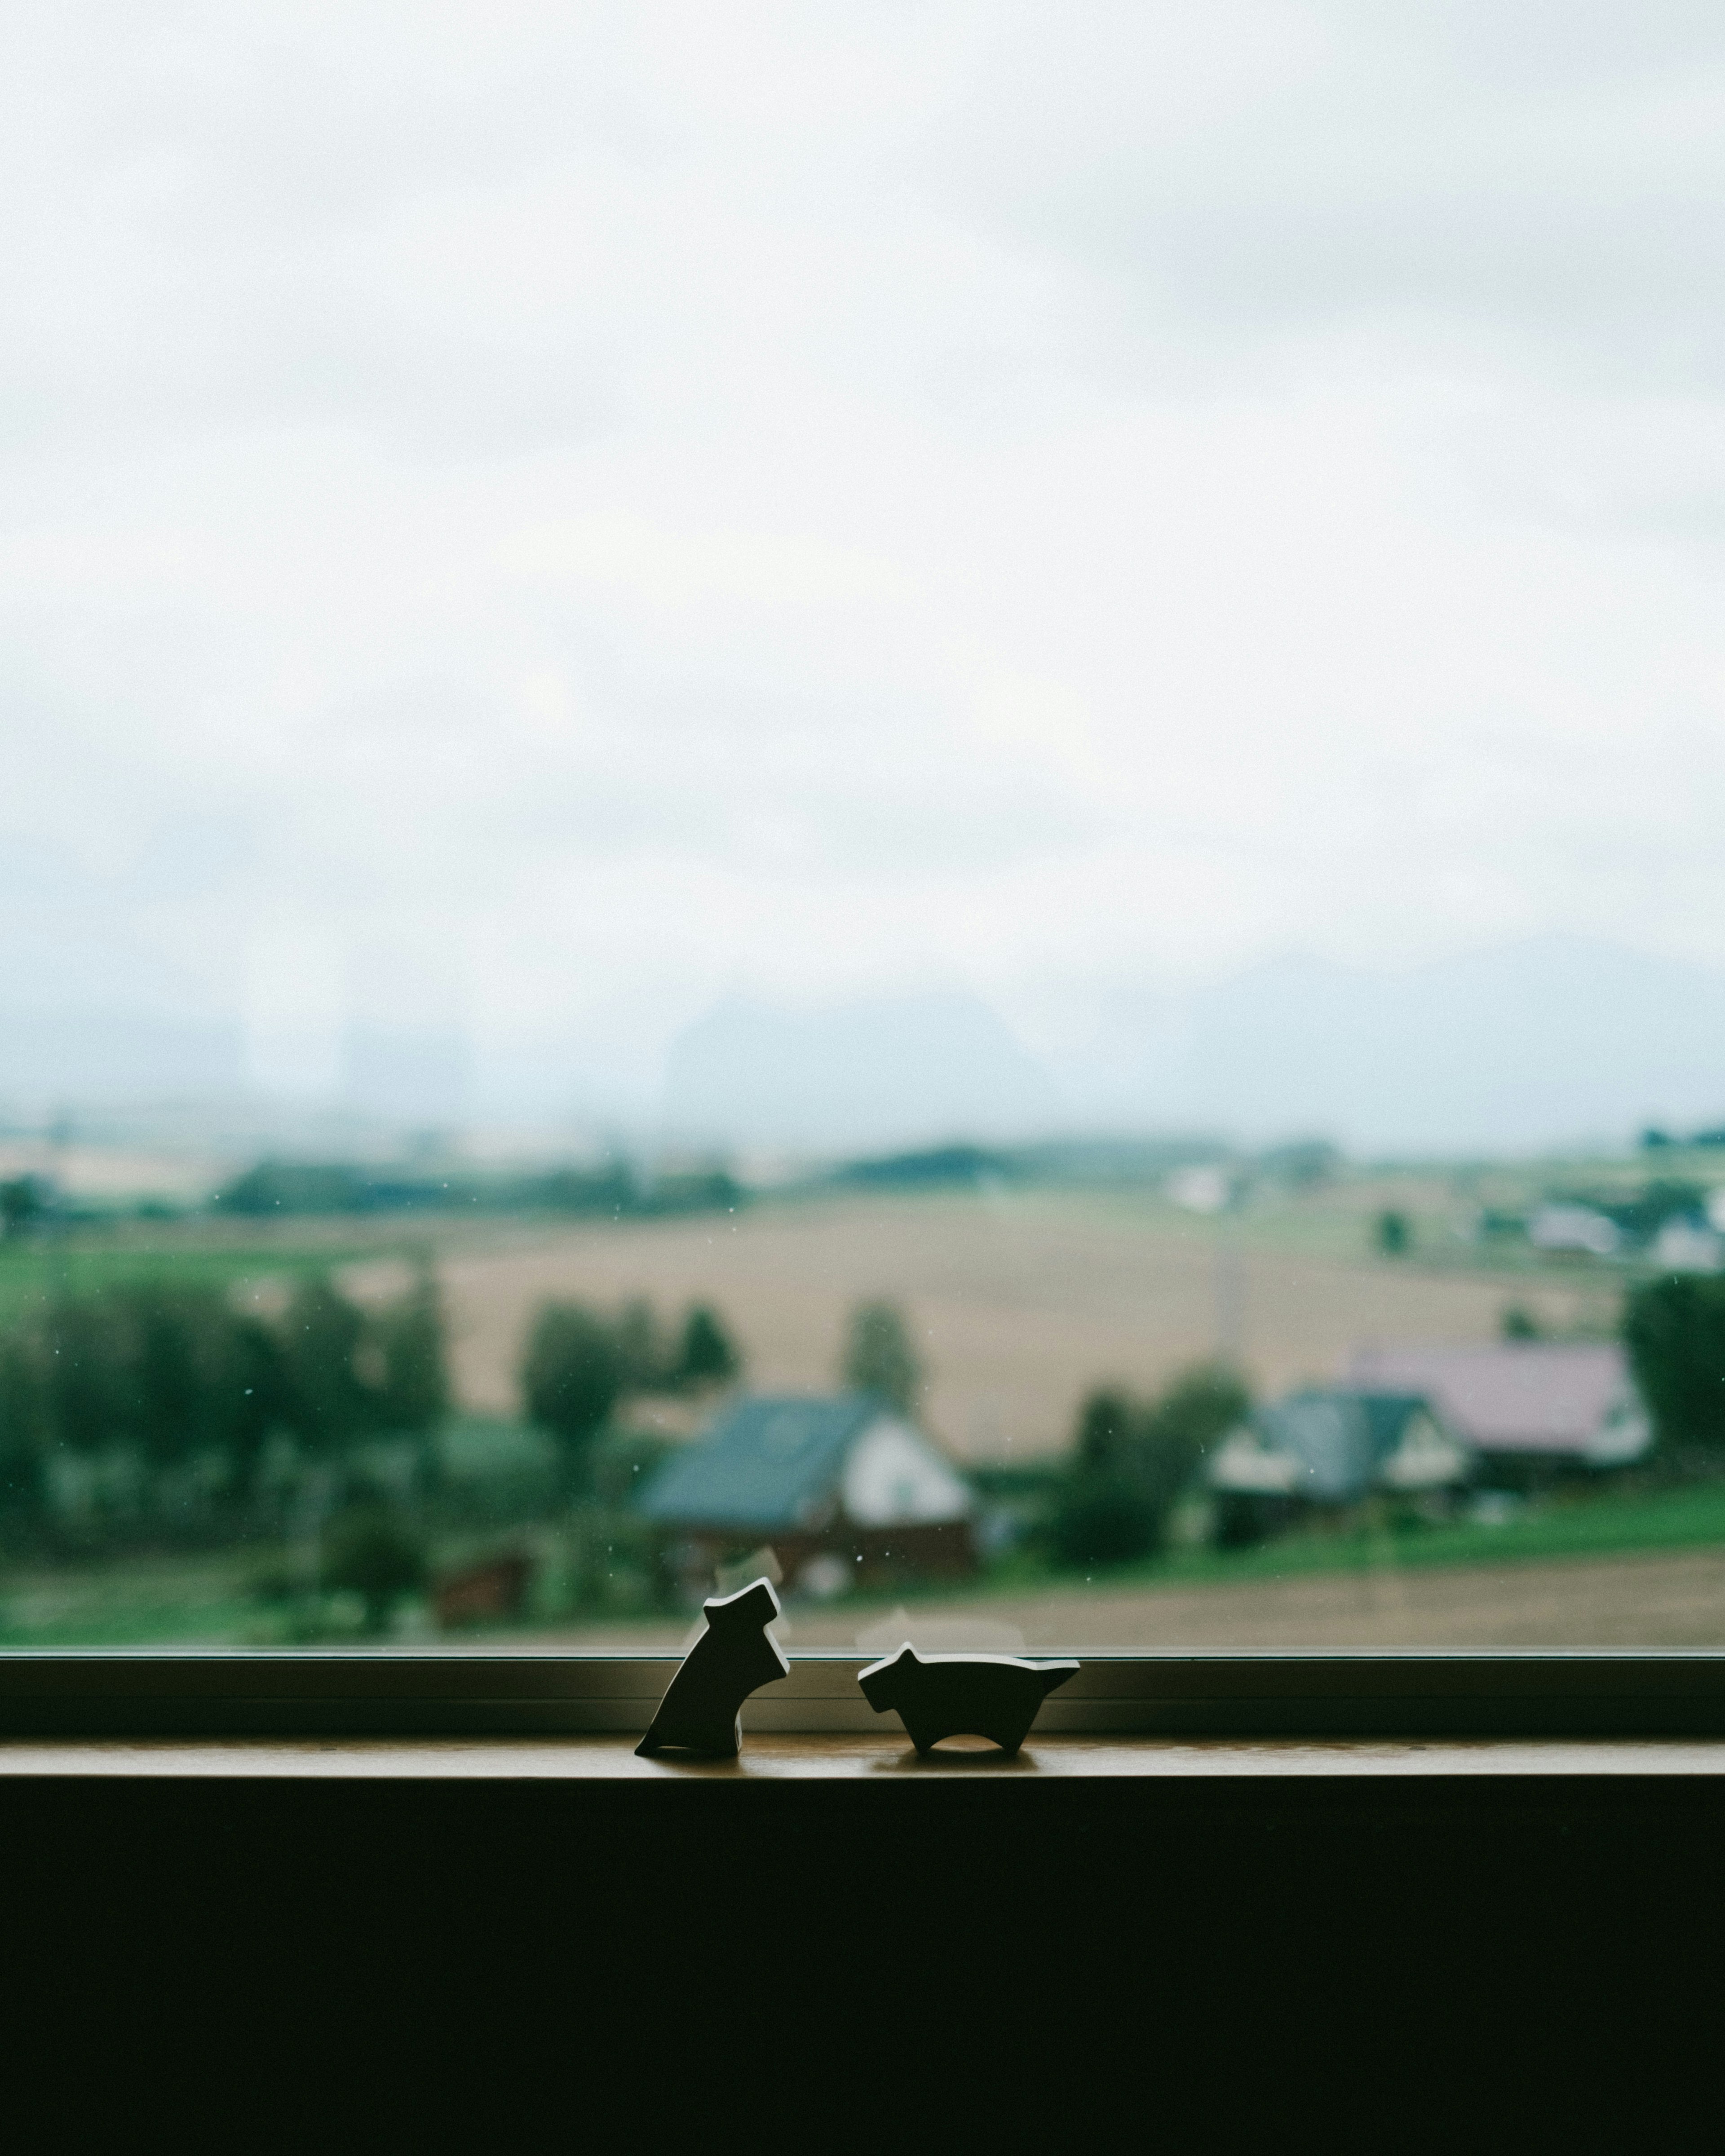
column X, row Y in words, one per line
column 1020, row 1287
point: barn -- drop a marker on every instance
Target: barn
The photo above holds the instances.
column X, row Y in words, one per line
column 846, row 1491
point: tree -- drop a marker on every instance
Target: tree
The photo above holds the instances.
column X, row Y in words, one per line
column 1674, row 1329
column 1105, row 1511
column 173, row 1344
column 368, row 1552
column 414, row 1393
column 1394, row 1234
column 1131, row 1459
column 644, row 1365
column 330, row 1403
column 23, row 1203
column 87, row 1402
column 879, row 1358
column 571, row 1375
column 706, row 1355
column 23, row 1427
column 1200, row 1405
column 1517, row 1323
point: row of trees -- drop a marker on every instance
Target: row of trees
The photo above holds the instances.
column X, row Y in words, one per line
column 173, row 1373
column 616, row 1190
column 579, row 1363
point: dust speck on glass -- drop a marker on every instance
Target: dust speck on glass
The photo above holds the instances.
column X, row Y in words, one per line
column 922, row 802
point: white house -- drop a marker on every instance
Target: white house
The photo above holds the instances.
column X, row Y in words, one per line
column 819, row 1478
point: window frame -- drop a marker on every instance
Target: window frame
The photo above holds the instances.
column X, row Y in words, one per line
column 84, row 1692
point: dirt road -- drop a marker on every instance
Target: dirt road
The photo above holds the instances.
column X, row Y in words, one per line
column 1653, row 1601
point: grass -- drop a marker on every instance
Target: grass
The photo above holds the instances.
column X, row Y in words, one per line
column 156, row 1603
column 1604, row 1524
column 207, row 1600
column 36, row 1275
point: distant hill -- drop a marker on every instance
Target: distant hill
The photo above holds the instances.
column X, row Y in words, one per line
column 55, row 1056
column 1552, row 1041
column 896, row 1071
column 1533, row 1043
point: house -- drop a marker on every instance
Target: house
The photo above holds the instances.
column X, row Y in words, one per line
column 1334, row 1446
column 844, row 1490
column 1685, row 1244
column 1581, row 1228
column 1529, row 1406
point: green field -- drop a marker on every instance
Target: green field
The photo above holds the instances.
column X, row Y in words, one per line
column 37, row 1274
column 1604, row 1525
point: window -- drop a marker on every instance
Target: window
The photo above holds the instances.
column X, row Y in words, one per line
column 925, row 802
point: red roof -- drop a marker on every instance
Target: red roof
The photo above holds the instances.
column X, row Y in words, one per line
column 1532, row 1396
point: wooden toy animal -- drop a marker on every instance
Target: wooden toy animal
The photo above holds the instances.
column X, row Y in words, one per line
column 702, row 1708
column 937, row 1696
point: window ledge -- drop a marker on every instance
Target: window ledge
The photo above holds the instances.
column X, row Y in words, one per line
column 876, row 1760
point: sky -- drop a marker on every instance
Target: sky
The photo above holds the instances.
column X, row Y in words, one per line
column 539, row 521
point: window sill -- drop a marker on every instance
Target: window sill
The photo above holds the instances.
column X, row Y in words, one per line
column 870, row 1760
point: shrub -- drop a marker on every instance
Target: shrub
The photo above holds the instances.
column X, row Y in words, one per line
column 1131, row 1459
column 1103, row 1517
column 367, row 1551
column 1674, row 1329
column 23, row 1428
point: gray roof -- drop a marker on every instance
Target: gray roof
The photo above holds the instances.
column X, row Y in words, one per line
column 1525, row 1396
column 1340, row 1438
column 772, row 1460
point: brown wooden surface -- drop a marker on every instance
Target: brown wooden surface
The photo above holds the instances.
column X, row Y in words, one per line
column 844, row 1759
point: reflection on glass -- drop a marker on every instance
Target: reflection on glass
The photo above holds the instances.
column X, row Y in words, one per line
column 925, row 799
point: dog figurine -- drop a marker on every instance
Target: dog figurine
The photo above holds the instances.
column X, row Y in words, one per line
column 702, row 1708
column 937, row 1696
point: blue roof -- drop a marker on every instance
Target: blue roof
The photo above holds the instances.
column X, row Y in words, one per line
column 1340, row 1438
column 771, row 1460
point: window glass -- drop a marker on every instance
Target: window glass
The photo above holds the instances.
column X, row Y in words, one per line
column 925, row 799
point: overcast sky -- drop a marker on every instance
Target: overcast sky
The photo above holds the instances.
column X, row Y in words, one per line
column 546, row 517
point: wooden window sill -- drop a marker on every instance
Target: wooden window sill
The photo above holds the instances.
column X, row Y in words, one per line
column 851, row 1758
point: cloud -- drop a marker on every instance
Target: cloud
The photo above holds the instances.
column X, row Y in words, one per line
column 844, row 503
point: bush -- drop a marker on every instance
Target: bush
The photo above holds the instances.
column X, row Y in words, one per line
column 1131, row 1459
column 1104, row 1517
column 1674, row 1329
column 367, row 1551
column 23, row 1429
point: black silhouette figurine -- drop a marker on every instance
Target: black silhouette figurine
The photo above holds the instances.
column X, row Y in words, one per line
column 702, row 1708
column 937, row 1696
